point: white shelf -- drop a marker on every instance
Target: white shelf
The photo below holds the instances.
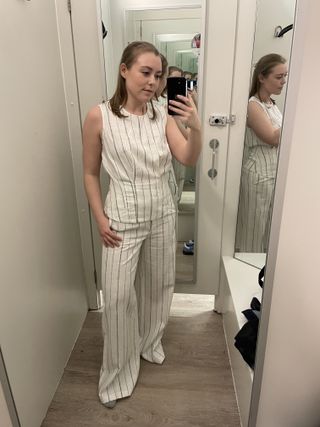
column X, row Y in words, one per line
column 239, row 284
column 243, row 284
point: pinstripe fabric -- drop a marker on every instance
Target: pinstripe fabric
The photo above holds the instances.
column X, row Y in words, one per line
column 138, row 286
column 138, row 276
column 179, row 170
column 136, row 156
column 180, row 175
column 257, row 187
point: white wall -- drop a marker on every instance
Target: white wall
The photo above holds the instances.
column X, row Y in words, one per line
column 271, row 14
column 290, row 386
column 42, row 296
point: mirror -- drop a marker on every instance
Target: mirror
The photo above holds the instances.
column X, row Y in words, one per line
column 166, row 29
column 273, row 34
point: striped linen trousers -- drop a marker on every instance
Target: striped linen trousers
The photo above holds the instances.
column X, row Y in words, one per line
column 257, row 186
column 138, row 276
column 138, row 282
column 254, row 214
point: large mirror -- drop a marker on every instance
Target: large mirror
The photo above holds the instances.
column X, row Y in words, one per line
column 266, row 102
column 172, row 31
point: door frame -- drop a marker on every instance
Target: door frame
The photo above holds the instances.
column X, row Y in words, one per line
column 7, row 393
column 85, row 87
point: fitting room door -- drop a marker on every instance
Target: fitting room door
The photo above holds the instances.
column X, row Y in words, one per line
column 216, row 77
column 216, row 73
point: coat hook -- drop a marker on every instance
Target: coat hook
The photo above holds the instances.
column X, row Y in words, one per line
column 285, row 30
column 277, row 31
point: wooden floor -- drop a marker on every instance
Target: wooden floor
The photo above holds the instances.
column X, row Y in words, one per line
column 193, row 388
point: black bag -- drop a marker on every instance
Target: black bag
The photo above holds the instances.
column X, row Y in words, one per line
column 246, row 338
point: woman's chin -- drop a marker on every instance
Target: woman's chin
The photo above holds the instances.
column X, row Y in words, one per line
column 148, row 95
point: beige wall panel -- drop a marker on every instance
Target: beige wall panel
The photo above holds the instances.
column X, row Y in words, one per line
column 43, row 301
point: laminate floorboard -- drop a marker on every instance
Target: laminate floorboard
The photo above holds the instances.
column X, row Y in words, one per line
column 193, row 387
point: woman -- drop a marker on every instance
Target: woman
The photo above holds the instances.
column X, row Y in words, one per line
column 134, row 140
column 259, row 165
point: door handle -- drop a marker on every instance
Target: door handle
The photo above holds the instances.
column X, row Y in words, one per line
column 214, row 145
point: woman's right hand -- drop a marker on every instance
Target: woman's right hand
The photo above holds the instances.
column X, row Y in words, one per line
column 109, row 237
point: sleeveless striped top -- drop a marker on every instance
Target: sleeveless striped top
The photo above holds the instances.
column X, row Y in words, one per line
column 137, row 158
column 259, row 156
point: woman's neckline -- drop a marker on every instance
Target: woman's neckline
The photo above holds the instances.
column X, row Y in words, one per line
column 133, row 114
column 268, row 104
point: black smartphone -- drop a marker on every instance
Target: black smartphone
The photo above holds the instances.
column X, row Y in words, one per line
column 175, row 86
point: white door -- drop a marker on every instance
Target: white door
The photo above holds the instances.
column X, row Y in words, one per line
column 216, row 74
column 216, row 78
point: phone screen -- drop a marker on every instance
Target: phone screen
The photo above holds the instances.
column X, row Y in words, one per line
column 175, row 86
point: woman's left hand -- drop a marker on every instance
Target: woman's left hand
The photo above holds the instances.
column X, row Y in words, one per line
column 187, row 111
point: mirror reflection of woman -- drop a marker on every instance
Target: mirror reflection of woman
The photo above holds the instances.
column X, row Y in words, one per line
column 264, row 121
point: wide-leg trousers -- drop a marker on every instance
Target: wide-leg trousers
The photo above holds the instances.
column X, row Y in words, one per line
column 254, row 214
column 138, row 283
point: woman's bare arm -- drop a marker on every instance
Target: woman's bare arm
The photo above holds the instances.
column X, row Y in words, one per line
column 91, row 168
column 260, row 123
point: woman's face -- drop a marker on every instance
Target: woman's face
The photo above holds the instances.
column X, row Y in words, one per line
column 142, row 79
column 275, row 80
